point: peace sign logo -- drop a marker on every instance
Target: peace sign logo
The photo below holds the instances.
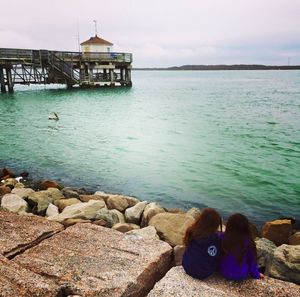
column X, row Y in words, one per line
column 212, row 250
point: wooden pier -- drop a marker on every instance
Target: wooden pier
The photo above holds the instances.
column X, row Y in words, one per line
column 25, row 66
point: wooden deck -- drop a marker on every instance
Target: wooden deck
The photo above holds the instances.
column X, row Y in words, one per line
column 25, row 66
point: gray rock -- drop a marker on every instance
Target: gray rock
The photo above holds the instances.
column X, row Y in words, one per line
column 117, row 202
column 265, row 251
column 133, row 214
column 125, row 227
column 86, row 198
column 39, row 202
column 286, row 263
column 150, row 211
column 63, row 203
column 110, row 217
column 178, row 251
column 120, row 202
column 22, row 192
column 121, row 217
column 84, row 210
column 147, row 233
column 19, row 186
column 55, row 194
column 70, row 193
column 295, row 239
column 14, row 203
column 194, row 212
column 52, row 210
column 171, row 227
column 10, row 182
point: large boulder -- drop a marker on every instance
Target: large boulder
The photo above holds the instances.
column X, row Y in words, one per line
column 71, row 222
column 70, row 193
column 277, row 231
column 10, row 182
column 151, row 209
column 117, row 202
column 19, row 185
column 120, row 202
column 55, row 194
column 45, row 184
column 147, row 233
column 177, row 283
column 178, row 252
column 63, row 203
column 110, row 217
column 7, row 172
column 4, row 190
column 98, row 261
column 39, row 202
column 171, row 227
column 265, row 251
column 14, row 203
column 194, row 212
column 286, row 263
column 295, row 239
column 84, row 210
column 87, row 198
column 18, row 232
column 133, row 214
column 119, row 215
column 22, row 192
column 52, row 210
column 125, row 227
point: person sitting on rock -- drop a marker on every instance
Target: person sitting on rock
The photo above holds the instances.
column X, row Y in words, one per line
column 239, row 256
column 203, row 245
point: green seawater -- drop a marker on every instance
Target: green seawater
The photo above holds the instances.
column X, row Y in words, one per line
column 224, row 139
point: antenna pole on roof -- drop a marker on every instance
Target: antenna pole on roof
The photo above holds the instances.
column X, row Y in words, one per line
column 95, row 21
column 78, row 36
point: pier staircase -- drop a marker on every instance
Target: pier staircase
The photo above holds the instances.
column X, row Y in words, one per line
column 61, row 71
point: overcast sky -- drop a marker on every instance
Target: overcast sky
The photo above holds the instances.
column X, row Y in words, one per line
column 161, row 32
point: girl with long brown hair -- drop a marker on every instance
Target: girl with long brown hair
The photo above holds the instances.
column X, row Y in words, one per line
column 239, row 257
column 203, row 245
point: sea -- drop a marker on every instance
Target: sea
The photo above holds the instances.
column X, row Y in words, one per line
column 223, row 139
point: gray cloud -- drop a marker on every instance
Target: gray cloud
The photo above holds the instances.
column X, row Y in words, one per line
column 161, row 33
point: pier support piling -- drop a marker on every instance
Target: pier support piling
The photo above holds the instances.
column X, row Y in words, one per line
column 128, row 77
column 112, row 77
column 2, row 81
column 9, row 80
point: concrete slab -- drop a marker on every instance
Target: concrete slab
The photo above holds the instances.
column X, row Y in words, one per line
column 17, row 281
column 177, row 283
column 90, row 260
column 19, row 232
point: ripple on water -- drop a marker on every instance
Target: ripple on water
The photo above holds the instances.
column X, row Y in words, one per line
column 229, row 140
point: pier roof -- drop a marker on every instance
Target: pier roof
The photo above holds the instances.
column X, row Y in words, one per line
column 96, row 40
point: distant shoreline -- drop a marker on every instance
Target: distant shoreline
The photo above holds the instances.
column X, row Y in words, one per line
column 222, row 67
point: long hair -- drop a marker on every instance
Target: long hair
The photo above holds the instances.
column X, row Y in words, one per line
column 206, row 224
column 237, row 237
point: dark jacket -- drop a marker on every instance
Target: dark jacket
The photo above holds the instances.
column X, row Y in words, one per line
column 201, row 256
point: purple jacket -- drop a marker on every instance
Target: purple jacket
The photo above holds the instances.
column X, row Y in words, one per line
column 230, row 268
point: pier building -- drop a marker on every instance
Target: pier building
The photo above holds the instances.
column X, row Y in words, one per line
column 97, row 65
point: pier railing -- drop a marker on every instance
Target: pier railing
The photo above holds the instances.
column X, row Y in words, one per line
column 30, row 55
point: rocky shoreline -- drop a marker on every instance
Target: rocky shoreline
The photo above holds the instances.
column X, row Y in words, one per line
column 73, row 210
